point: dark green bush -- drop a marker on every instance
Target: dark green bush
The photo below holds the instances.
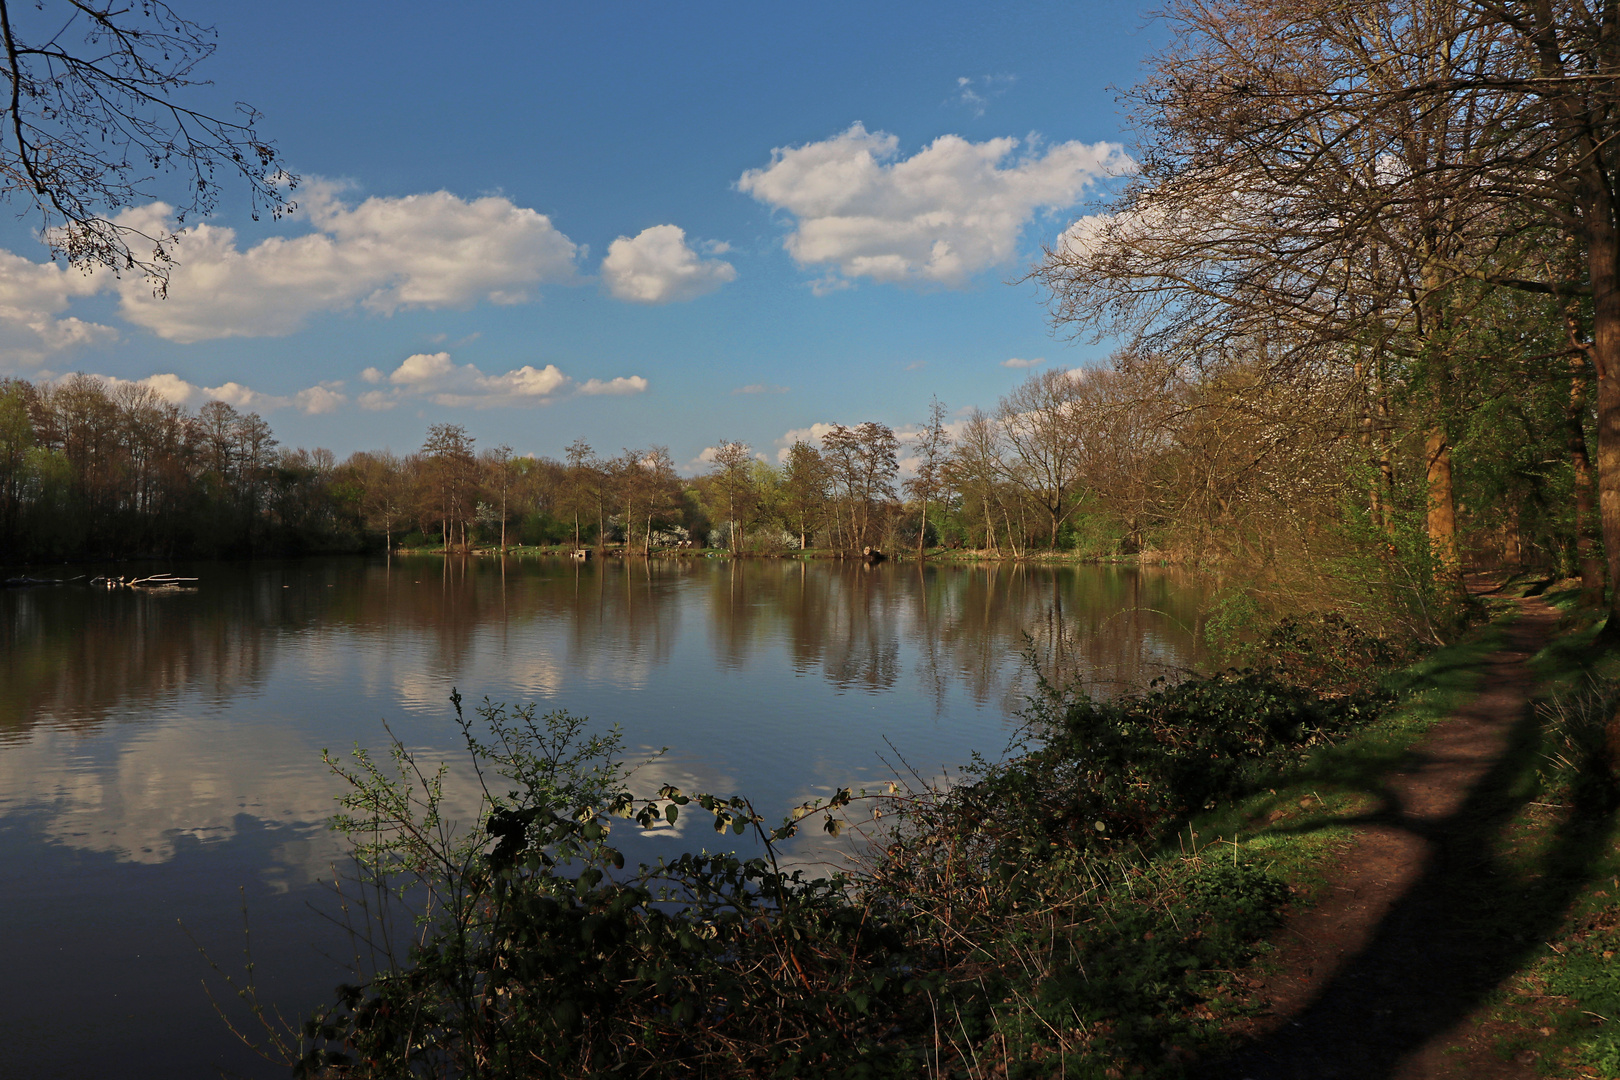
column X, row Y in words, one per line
column 1107, row 774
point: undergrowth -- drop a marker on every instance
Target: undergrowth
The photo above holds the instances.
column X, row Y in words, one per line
column 1038, row 917
column 1567, row 1006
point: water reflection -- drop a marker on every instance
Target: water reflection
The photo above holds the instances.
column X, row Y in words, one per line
column 176, row 781
column 165, row 749
column 224, row 697
column 74, row 657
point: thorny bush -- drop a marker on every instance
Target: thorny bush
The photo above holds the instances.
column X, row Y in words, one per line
column 1010, row 922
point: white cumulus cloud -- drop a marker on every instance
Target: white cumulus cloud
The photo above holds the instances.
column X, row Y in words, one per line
column 322, row 398
column 32, row 299
column 936, row 218
column 325, row 398
column 659, row 267
column 433, row 250
column 172, row 388
column 1015, row 363
column 632, row 384
column 437, row 378
column 811, row 435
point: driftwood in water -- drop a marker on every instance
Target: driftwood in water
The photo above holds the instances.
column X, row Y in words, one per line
column 25, row 582
column 152, row 581
column 873, row 555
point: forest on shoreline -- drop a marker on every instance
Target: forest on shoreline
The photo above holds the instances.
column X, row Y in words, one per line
column 1237, row 469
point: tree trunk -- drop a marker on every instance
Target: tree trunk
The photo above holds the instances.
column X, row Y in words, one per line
column 1364, row 436
column 1585, row 503
column 1608, row 472
column 1386, row 464
column 1442, row 517
column 1603, row 261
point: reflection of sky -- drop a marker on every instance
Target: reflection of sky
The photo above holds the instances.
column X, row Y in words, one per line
column 177, row 779
column 784, row 679
column 188, row 733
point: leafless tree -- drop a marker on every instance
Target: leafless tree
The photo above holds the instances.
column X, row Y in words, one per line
column 733, row 475
column 450, row 481
column 1326, row 183
column 384, row 487
column 498, row 479
column 931, row 481
column 95, row 111
column 863, row 461
column 1038, row 423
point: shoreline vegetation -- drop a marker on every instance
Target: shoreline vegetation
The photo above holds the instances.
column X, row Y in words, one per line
column 932, row 555
column 1105, row 901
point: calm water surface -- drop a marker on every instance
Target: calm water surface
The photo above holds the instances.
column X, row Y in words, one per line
column 160, row 771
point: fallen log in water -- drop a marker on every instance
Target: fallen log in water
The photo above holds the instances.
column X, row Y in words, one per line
column 151, row 581
column 26, row 582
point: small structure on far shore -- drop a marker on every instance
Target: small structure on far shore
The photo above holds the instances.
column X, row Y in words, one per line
column 580, row 553
column 872, row 555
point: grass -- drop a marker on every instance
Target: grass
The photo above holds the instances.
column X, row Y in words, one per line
column 1563, row 1008
column 1304, row 816
column 1546, row 877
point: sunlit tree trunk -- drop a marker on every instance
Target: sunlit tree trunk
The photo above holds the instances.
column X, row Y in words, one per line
column 1442, row 506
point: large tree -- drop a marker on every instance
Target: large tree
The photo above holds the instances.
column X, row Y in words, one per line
column 450, row 477
column 805, row 490
column 931, row 481
column 863, row 461
column 732, row 473
column 1348, row 184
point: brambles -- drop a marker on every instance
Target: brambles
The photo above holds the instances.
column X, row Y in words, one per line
column 1014, row 922
column 1112, row 774
column 536, row 951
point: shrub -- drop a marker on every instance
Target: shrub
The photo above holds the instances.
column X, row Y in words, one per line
column 1011, row 916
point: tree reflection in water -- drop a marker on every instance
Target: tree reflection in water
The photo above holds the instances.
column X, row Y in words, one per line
column 71, row 655
column 165, row 749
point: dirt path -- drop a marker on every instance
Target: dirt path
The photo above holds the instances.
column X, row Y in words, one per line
column 1380, row 979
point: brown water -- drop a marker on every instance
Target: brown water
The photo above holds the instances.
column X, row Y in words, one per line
column 160, row 754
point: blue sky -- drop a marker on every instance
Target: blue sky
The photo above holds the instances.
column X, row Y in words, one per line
column 634, row 223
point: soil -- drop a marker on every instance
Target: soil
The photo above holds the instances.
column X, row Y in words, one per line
column 1388, row 975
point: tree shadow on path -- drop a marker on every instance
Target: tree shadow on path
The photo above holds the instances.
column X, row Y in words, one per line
column 1469, row 920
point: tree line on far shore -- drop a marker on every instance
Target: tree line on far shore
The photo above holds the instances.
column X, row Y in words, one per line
column 1234, row 467
column 1366, row 287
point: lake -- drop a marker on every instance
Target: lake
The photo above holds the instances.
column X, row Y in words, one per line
column 161, row 781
